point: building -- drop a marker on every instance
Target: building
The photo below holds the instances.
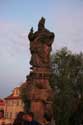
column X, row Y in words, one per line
column 13, row 104
column 2, row 104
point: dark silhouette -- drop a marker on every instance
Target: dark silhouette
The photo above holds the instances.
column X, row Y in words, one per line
column 19, row 119
column 29, row 119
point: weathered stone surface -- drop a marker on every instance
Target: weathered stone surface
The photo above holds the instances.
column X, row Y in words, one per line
column 40, row 45
column 43, row 95
column 38, row 108
column 39, row 91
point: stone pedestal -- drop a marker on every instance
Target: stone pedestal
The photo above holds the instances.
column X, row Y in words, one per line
column 39, row 109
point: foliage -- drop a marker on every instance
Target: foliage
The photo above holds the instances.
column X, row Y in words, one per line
column 67, row 82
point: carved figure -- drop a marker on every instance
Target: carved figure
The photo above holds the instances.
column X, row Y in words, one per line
column 40, row 45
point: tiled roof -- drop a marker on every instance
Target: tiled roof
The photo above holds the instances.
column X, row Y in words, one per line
column 10, row 97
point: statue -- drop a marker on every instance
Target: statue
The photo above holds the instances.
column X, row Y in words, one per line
column 39, row 91
column 40, row 45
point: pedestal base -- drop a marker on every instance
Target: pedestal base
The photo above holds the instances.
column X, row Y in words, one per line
column 38, row 108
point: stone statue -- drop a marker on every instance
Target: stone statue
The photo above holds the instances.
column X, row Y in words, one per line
column 39, row 91
column 40, row 45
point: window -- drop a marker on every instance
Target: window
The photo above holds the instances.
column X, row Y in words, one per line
column 17, row 102
column 6, row 114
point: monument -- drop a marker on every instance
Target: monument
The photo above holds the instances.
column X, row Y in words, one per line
column 39, row 91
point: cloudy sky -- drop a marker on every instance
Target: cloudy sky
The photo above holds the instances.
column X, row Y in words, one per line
column 63, row 17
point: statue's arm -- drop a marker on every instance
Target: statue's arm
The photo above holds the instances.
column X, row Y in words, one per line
column 31, row 34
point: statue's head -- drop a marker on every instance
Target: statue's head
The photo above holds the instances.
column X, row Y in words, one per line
column 41, row 24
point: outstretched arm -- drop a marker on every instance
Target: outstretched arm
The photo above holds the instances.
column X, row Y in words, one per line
column 31, row 34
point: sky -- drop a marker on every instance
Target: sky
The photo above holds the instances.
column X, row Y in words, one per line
column 63, row 17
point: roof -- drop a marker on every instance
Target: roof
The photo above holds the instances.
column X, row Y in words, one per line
column 10, row 97
column 15, row 94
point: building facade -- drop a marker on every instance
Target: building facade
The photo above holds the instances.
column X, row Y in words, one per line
column 13, row 104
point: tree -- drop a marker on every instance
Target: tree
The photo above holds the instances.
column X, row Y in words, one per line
column 67, row 83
